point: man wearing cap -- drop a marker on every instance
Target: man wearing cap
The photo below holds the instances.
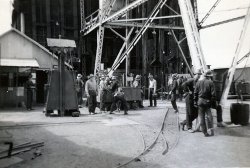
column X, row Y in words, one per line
column 191, row 110
column 118, row 96
column 152, row 90
column 91, row 92
column 173, row 90
column 30, row 86
column 137, row 84
column 204, row 95
column 79, row 90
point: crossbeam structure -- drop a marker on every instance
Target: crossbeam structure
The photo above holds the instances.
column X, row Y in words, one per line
column 232, row 69
column 102, row 19
column 138, row 36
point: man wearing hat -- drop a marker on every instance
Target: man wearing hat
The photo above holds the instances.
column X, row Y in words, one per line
column 152, row 90
column 173, row 90
column 204, row 95
column 137, row 84
column 30, row 86
column 191, row 110
column 79, row 90
column 91, row 92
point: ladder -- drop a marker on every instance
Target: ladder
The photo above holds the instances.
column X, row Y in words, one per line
column 231, row 70
column 192, row 35
column 138, row 36
column 95, row 22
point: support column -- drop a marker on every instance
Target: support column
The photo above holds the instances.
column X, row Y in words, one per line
column 33, row 8
column 22, row 18
column 48, row 18
column 62, row 17
column 75, row 14
column 144, row 49
column 128, row 56
column 61, row 83
column 138, row 48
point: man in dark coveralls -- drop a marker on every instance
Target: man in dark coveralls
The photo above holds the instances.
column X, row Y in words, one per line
column 191, row 110
column 174, row 86
column 29, row 86
column 79, row 89
column 204, row 95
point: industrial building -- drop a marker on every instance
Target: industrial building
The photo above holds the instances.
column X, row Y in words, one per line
column 156, row 52
column 83, row 62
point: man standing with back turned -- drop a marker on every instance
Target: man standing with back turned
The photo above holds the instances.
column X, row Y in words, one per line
column 204, row 95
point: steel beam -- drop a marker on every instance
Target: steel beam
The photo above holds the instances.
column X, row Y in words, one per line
column 122, row 24
column 223, row 22
column 155, row 11
column 141, row 19
column 182, row 53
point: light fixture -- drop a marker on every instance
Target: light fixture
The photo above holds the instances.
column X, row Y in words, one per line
column 154, row 32
column 137, row 31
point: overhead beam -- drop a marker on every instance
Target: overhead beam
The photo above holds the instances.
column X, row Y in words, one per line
column 141, row 19
column 172, row 9
column 114, row 16
column 153, row 26
column 137, row 37
column 209, row 12
column 223, row 22
column 118, row 34
column 124, row 10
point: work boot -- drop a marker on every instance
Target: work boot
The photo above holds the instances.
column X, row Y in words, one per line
column 206, row 134
column 211, row 131
column 221, row 124
column 191, row 131
column 182, row 125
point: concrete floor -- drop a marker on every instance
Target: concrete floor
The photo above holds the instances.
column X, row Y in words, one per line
column 106, row 141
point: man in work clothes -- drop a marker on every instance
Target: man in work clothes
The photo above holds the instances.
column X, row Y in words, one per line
column 152, row 90
column 204, row 95
column 29, row 86
column 118, row 96
column 191, row 110
column 174, row 87
column 137, row 84
column 79, row 90
column 91, row 92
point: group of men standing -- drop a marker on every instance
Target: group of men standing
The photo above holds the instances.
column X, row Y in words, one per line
column 200, row 97
column 111, row 85
column 106, row 85
column 199, row 94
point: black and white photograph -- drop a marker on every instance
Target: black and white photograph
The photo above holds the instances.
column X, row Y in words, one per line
column 124, row 83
